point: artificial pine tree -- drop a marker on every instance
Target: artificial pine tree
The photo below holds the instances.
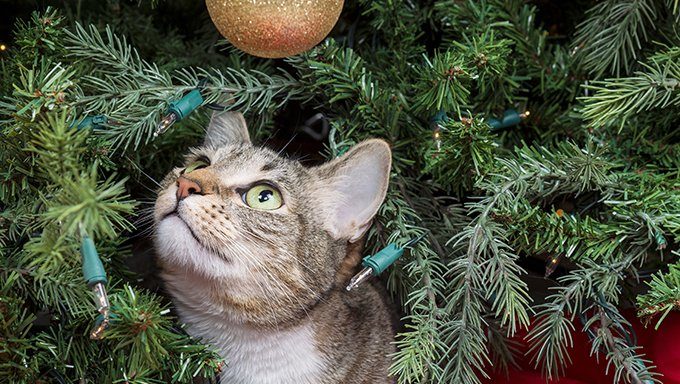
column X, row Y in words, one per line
column 588, row 180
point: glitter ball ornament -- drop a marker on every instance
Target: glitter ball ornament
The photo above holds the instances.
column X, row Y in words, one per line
column 274, row 28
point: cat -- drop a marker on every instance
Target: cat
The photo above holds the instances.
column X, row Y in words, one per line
column 256, row 251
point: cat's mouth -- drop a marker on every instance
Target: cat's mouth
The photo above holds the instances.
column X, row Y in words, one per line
column 177, row 215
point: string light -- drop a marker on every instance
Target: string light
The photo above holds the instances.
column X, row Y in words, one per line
column 3, row 47
column 376, row 264
column 179, row 109
column 437, row 136
column 551, row 264
column 510, row 118
column 95, row 276
column 436, row 125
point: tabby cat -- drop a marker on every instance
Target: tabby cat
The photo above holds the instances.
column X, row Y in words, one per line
column 256, row 250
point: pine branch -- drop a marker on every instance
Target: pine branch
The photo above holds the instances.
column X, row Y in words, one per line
column 663, row 296
column 134, row 94
column 339, row 75
column 463, row 331
column 461, row 153
column 399, row 26
column 88, row 203
column 629, row 366
column 43, row 87
column 551, row 337
column 615, row 31
column 41, row 36
column 56, row 147
column 674, row 5
column 500, row 275
column 418, row 348
column 443, row 83
column 617, row 100
column 420, row 287
column 16, row 322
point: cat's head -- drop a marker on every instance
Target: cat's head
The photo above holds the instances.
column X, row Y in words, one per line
column 266, row 234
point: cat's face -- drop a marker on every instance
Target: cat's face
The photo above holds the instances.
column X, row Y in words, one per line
column 263, row 233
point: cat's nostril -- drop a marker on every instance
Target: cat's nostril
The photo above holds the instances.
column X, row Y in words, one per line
column 186, row 187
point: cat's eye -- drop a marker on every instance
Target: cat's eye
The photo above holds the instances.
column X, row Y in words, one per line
column 263, row 196
column 199, row 163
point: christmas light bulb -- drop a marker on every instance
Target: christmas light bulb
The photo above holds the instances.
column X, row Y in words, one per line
column 165, row 123
column 359, row 278
column 551, row 264
column 179, row 109
column 101, row 298
column 510, row 118
column 101, row 301
column 437, row 135
column 660, row 241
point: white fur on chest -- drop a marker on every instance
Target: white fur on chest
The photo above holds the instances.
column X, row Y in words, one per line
column 255, row 356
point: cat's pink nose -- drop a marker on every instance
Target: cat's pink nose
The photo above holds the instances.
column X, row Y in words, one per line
column 186, row 187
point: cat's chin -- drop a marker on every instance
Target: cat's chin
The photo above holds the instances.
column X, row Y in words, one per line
column 177, row 244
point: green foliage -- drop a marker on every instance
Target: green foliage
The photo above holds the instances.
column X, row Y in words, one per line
column 615, row 31
column 58, row 182
column 134, row 93
column 15, row 324
column 41, row 36
column 464, row 155
column 442, row 83
column 663, row 296
column 142, row 331
column 655, row 87
column 590, row 177
column 42, row 88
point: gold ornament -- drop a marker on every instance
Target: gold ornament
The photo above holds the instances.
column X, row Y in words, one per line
column 274, row 28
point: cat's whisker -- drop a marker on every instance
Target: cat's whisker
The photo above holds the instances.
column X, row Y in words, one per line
column 302, row 306
column 266, row 141
column 279, row 262
column 264, row 291
column 144, row 221
column 292, row 137
column 146, row 201
column 144, row 173
column 146, row 232
column 283, row 267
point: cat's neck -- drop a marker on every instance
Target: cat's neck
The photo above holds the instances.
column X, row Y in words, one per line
column 262, row 354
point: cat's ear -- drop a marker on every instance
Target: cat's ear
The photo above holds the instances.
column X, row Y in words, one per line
column 352, row 187
column 226, row 128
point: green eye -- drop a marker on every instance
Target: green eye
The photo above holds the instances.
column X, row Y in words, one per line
column 198, row 164
column 263, row 196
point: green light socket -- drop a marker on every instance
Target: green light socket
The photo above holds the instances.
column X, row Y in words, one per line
column 187, row 104
column 93, row 269
column 383, row 259
column 93, row 122
column 510, row 118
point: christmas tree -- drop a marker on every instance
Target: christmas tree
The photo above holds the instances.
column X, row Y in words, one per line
column 529, row 142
